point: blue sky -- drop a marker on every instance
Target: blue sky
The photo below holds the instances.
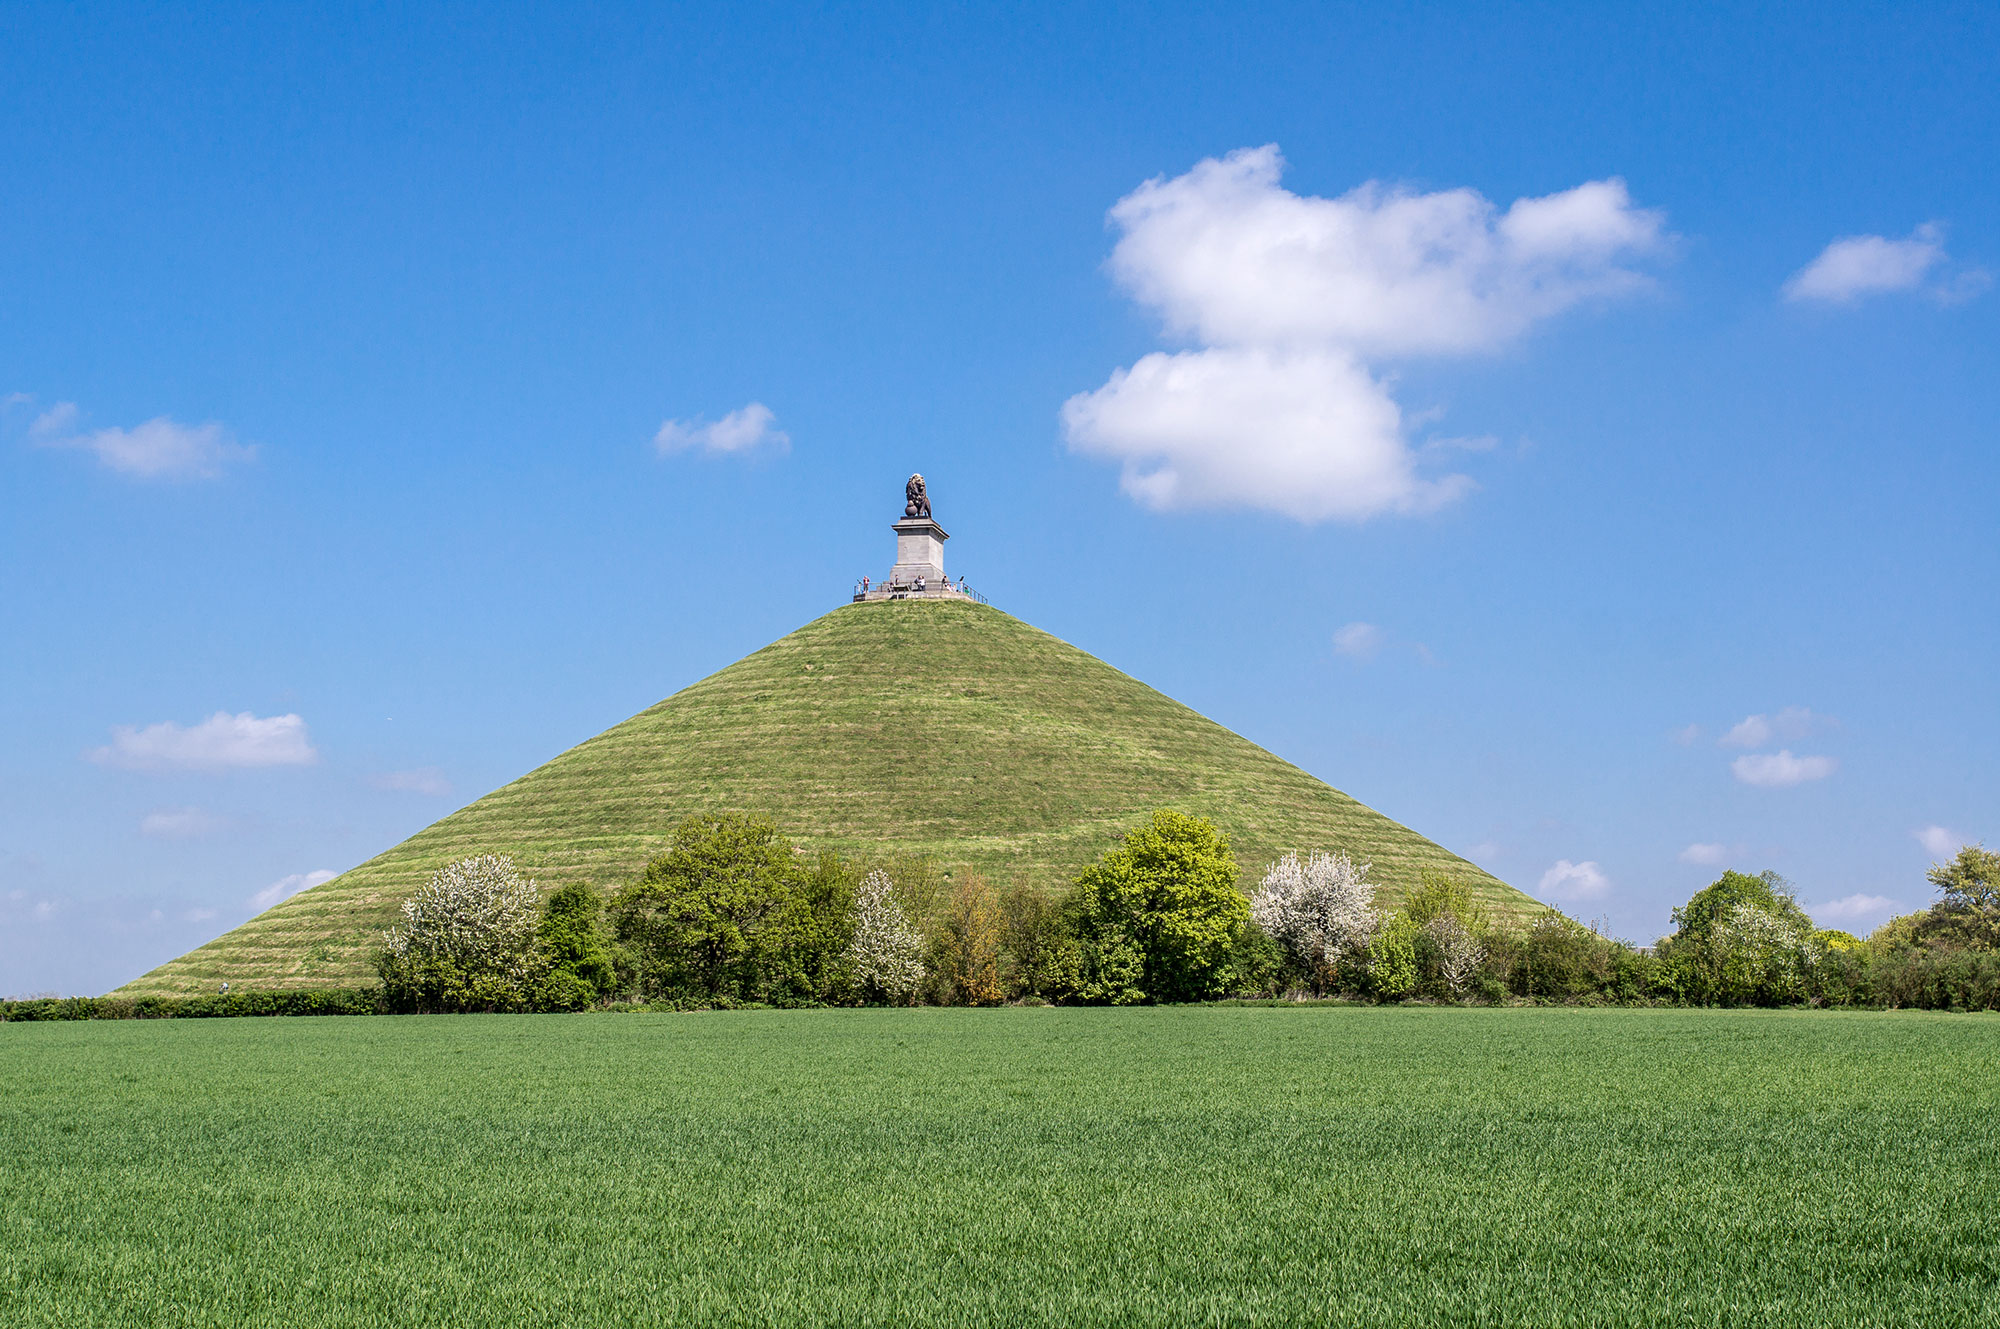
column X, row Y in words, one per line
column 1609, row 538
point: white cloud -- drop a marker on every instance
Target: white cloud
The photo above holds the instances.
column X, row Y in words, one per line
column 1850, row 908
column 1229, row 257
column 1938, row 842
column 221, row 742
column 1686, row 735
column 1707, row 855
column 1858, row 265
column 1309, row 433
column 1359, row 641
column 1787, row 726
column 739, row 431
column 1484, row 850
column 1574, row 881
column 198, row 915
column 423, row 780
column 180, row 823
column 1290, row 298
column 286, row 887
column 1778, row 770
column 159, row 449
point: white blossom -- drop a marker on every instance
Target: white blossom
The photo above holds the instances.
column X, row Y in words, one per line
column 1321, row 911
column 887, row 952
column 476, row 913
column 1458, row 952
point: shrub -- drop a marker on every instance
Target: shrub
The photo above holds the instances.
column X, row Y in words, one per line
column 1390, row 967
column 1321, row 912
column 1561, row 959
column 886, row 952
column 467, row 941
column 1167, row 895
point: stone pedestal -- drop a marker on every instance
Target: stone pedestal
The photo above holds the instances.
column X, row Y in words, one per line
column 919, row 551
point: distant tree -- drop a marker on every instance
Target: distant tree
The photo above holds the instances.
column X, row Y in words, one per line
column 886, row 952
column 1970, row 881
column 1452, row 953
column 803, row 946
column 466, row 942
column 1743, row 940
column 1966, row 913
column 1165, row 903
column 968, row 944
column 576, row 963
column 1451, row 926
column 708, row 918
column 1322, row 911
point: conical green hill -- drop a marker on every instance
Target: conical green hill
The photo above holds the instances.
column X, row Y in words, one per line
column 939, row 727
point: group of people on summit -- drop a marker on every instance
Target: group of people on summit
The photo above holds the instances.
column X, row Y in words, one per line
column 920, row 584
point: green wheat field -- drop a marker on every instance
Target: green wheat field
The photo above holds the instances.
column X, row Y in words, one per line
column 1163, row 1166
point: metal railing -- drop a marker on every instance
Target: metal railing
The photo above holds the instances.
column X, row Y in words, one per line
column 907, row 591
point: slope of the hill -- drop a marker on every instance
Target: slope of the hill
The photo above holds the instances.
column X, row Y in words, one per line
column 937, row 727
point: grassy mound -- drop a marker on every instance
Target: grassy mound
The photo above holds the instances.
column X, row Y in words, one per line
column 937, row 727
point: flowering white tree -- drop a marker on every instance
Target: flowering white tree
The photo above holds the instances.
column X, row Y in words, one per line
column 1762, row 956
column 467, row 936
column 886, row 951
column 1458, row 951
column 1322, row 911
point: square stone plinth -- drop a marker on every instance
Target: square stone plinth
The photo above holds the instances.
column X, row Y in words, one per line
column 919, row 550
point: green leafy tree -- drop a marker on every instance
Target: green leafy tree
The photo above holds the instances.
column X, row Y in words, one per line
column 1767, row 892
column 1970, row 881
column 1161, row 913
column 729, row 912
column 1743, row 940
column 1967, row 912
column 577, row 967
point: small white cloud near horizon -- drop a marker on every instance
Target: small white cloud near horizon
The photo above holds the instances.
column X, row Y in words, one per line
column 286, row 887
column 159, row 449
column 1291, row 300
column 1854, row 266
column 1573, row 881
column 1787, row 726
column 1940, row 843
column 1850, row 908
column 739, row 431
column 1357, row 641
column 423, row 780
column 221, row 742
column 181, row 823
column 1781, row 770
column 1706, row 855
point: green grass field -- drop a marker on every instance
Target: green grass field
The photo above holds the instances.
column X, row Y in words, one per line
column 943, row 728
column 1167, row 1166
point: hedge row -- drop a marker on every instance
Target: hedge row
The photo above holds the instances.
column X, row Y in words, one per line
column 324, row 1001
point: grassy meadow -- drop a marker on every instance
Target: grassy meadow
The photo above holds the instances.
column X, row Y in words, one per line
column 932, row 727
column 1166, row 1166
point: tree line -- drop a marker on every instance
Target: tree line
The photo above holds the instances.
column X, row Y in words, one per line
column 731, row 913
